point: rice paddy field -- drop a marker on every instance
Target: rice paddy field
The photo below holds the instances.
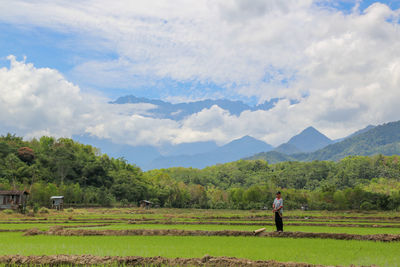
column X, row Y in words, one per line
column 164, row 237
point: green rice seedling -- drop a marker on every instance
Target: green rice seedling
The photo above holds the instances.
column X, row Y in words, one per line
column 315, row 251
column 215, row 227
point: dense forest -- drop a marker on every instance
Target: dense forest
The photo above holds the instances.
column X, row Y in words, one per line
column 85, row 177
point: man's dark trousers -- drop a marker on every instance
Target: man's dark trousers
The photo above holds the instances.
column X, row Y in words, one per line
column 278, row 222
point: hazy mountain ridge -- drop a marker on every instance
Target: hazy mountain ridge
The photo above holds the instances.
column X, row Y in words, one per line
column 187, row 148
column 309, row 144
column 383, row 139
column 366, row 129
column 232, row 151
column 179, row 111
column 376, row 140
column 271, row 157
column 138, row 155
column 287, row 149
column 202, row 154
column 196, row 155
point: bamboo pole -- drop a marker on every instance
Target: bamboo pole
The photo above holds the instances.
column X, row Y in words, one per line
column 259, row 231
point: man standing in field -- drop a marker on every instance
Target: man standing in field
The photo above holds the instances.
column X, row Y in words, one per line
column 277, row 208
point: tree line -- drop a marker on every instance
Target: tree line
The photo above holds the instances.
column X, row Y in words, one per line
column 84, row 176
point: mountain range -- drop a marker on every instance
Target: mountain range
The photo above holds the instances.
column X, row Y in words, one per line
column 309, row 144
column 383, row 139
column 196, row 155
column 166, row 110
column 232, row 151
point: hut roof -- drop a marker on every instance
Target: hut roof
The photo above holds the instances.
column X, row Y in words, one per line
column 13, row 192
column 57, row 197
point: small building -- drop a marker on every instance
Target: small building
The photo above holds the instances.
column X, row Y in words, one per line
column 304, row 207
column 13, row 199
column 145, row 204
column 57, row 202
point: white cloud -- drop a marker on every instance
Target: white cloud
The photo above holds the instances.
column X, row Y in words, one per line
column 37, row 101
column 343, row 68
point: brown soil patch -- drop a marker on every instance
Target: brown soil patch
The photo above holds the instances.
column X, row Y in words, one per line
column 58, row 230
column 87, row 260
column 12, row 230
column 60, row 222
column 69, row 226
column 110, row 220
column 86, row 225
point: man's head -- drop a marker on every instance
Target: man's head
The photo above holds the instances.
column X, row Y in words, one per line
column 278, row 194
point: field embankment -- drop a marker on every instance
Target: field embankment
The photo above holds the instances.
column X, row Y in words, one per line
column 87, row 260
column 60, row 231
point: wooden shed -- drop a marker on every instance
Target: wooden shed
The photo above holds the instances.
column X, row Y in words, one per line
column 57, row 202
column 145, row 204
column 304, row 207
column 13, row 199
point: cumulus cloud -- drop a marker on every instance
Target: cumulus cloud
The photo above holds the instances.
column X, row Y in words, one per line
column 40, row 101
column 343, row 68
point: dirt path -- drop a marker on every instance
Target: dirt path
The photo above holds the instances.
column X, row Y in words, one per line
column 174, row 232
column 87, row 260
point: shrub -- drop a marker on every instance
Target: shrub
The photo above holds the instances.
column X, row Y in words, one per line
column 366, row 205
column 44, row 210
column 30, row 214
column 8, row 211
column 36, row 208
column 124, row 203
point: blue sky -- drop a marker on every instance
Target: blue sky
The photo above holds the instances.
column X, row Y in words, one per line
column 347, row 5
column 322, row 55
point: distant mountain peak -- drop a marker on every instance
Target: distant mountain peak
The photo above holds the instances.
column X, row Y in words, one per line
column 309, row 132
column 246, row 137
column 310, row 139
column 248, row 140
column 310, row 129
